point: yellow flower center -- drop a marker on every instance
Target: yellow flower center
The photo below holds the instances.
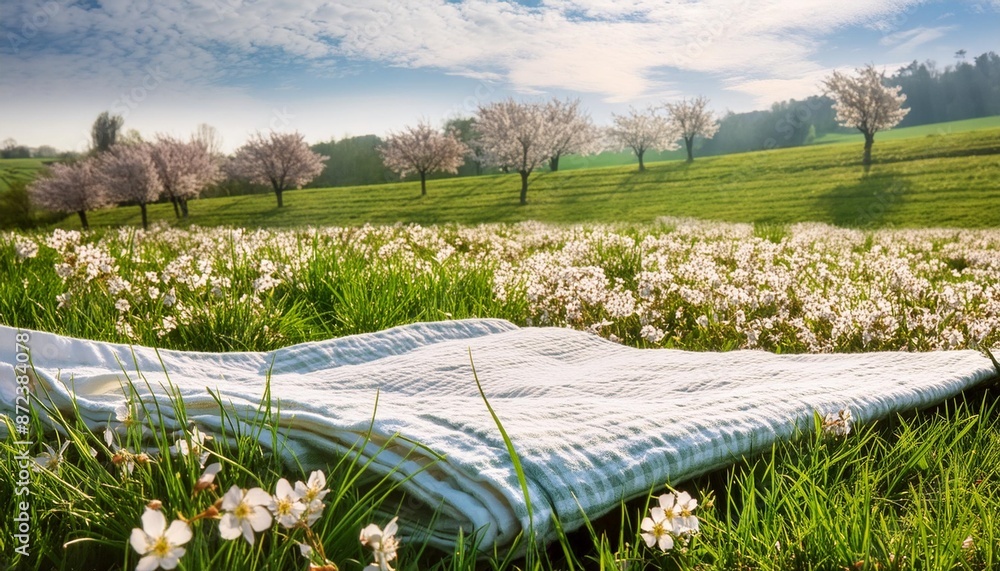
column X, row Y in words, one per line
column 685, row 512
column 161, row 548
column 284, row 507
column 658, row 530
column 243, row 511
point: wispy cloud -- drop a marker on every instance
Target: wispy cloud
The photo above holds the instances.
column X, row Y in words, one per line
column 906, row 41
column 258, row 55
column 613, row 49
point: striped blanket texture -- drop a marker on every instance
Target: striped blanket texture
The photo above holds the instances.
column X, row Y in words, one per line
column 593, row 422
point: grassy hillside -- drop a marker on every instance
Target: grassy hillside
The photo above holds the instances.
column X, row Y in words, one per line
column 19, row 168
column 618, row 158
column 938, row 180
column 918, row 131
column 627, row 158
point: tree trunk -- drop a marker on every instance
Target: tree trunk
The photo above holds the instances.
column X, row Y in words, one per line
column 277, row 192
column 869, row 141
column 145, row 220
column 554, row 163
column 689, row 143
column 642, row 167
column 524, row 186
column 423, row 183
column 184, row 207
column 83, row 219
column 177, row 212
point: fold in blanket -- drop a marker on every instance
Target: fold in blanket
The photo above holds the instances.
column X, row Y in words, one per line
column 592, row 421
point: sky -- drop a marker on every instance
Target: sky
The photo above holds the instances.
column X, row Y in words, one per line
column 331, row 69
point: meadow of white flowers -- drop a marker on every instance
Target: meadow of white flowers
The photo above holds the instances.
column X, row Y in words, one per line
column 677, row 283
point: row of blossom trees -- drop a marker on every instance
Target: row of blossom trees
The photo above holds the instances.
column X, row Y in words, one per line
column 139, row 173
column 522, row 137
column 510, row 135
column 132, row 173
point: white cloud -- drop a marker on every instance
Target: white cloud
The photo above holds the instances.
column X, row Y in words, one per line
column 614, row 51
column 906, row 41
column 605, row 47
column 767, row 91
column 611, row 48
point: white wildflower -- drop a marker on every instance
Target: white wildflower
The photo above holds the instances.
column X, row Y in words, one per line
column 158, row 544
column 50, row 460
column 244, row 513
column 383, row 544
column 651, row 334
column 312, row 493
column 25, row 250
column 286, row 504
column 838, row 424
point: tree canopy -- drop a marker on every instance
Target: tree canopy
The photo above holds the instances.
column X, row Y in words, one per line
column 865, row 102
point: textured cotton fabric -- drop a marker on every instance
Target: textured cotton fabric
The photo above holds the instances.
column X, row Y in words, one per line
column 592, row 421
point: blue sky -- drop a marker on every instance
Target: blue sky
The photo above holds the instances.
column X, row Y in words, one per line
column 352, row 67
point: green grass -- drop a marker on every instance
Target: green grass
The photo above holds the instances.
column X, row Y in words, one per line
column 19, row 169
column 901, row 493
column 933, row 129
column 914, row 491
column 619, row 158
column 941, row 180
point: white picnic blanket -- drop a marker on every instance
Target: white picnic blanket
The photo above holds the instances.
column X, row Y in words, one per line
column 592, row 421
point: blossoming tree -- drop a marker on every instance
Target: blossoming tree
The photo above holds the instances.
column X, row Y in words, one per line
column 516, row 136
column 422, row 149
column 691, row 119
column 283, row 160
column 130, row 175
column 184, row 168
column 866, row 103
column 573, row 131
column 642, row 131
column 70, row 188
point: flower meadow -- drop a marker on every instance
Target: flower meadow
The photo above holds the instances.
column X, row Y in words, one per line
column 678, row 283
column 918, row 491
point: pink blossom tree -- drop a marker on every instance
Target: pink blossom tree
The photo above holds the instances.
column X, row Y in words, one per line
column 75, row 187
column 692, row 119
column 516, row 136
column 866, row 103
column 422, row 149
column 573, row 131
column 641, row 131
column 283, row 160
column 184, row 168
column 130, row 176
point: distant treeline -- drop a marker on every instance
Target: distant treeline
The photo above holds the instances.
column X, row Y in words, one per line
column 961, row 91
column 965, row 90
